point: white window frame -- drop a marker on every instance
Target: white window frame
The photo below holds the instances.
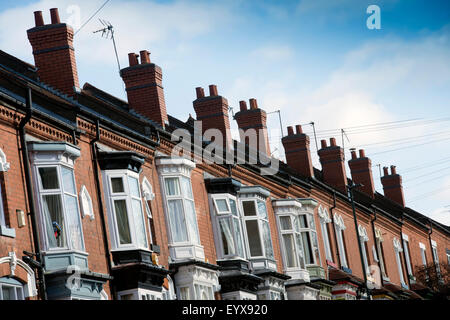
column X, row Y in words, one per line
column 235, row 221
column 61, row 192
column 423, row 254
column 339, row 227
column 379, row 250
column 405, row 240
column 363, row 239
column 17, row 290
column 126, row 195
column 298, row 253
column 435, row 255
column 324, row 220
column 260, row 220
column 311, row 233
column 397, row 250
column 2, row 212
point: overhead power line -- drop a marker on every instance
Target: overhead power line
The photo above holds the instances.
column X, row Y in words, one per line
column 92, row 16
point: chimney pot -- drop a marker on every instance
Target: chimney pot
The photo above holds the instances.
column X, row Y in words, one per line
column 242, row 105
column 132, row 59
column 385, row 171
column 323, row 143
column 290, row 130
column 332, row 142
column 353, row 154
column 362, row 154
column 298, row 129
column 54, row 14
column 39, row 21
column 213, row 90
column 200, row 92
column 145, row 56
column 393, row 170
column 253, row 104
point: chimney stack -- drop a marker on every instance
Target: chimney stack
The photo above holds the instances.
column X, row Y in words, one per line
column 298, row 155
column 143, row 83
column 392, row 186
column 333, row 168
column 252, row 122
column 361, row 170
column 54, row 55
column 213, row 112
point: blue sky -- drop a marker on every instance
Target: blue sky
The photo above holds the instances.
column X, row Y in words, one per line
column 314, row 60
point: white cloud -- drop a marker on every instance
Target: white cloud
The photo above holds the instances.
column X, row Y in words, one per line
column 441, row 215
column 273, row 53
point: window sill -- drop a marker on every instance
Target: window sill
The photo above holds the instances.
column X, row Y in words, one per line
column 7, row 232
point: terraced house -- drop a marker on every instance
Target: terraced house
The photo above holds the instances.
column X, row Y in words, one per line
column 97, row 202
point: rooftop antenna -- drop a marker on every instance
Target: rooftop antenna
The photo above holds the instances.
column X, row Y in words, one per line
column 279, row 117
column 108, row 32
column 315, row 137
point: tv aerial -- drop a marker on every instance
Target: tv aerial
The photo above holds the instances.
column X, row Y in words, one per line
column 108, row 33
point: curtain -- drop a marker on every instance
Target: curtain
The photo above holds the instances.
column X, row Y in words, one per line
column 289, row 247
column 68, row 180
column 227, row 236
column 139, row 223
column 53, row 213
column 172, row 186
column 222, row 205
column 262, row 211
column 187, row 188
column 134, row 186
column 73, row 223
column 267, row 239
column 233, row 207
column 285, row 223
column 301, row 256
column 120, row 208
column 191, row 219
column 239, row 243
column 176, row 221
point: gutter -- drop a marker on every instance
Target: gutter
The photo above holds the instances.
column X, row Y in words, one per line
column 30, row 194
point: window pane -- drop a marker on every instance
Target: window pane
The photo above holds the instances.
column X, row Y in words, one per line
column 172, row 186
column 134, row 186
column 239, row 240
column 176, row 221
column 315, row 247
column 73, row 223
column 191, row 219
column 117, row 185
column 54, row 220
column 307, row 247
column 68, row 180
column 289, row 247
column 49, row 178
column 285, row 223
column 120, row 208
column 233, row 207
column 249, row 208
column 227, row 236
column 187, row 188
column 7, row 293
column 262, row 211
column 297, row 223
column 139, row 223
column 253, row 238
column 267, row 239
column 222, row 205
column 302, row 219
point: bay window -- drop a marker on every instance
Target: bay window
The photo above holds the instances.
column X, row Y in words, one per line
column 397, row 250
column 380, row 252
column 256, row 226
column 227, row 224
column 10, row 289
column 409, row 270
column 309, row 238
column 339, row 229
column 179, row 206
column 363, row 239
column 287, row 212
column 59, row 214
column 124, row 201
column 324, row 222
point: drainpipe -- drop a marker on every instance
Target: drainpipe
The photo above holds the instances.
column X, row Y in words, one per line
column 338, row 256
column 372, row 221
column 403, row 248
column 30, row 195
column 100, row 203
column 357, row 236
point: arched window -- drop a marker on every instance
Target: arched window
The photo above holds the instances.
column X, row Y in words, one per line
column 324, row 221
column 339, row 228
